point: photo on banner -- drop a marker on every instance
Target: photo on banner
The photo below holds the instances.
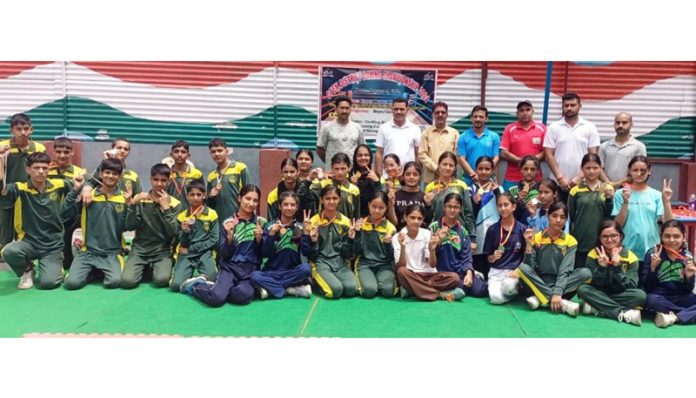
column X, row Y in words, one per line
column 372, row 92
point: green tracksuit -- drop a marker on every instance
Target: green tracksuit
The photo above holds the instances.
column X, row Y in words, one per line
column 614, row 288
column 330, row 257
column 16, row 172
column 39, row 229
column 231, row 179
column 155, row 234
column 103, row 222
column 586, row 209
column 374, row 263
column 201, row 240
column 129, row 178
column 178, row 181
column 67, row 174
column 548, row 270
column 437, row 207
column 349, row 204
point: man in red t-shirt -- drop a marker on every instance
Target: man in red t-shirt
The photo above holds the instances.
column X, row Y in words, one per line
column 522, row 138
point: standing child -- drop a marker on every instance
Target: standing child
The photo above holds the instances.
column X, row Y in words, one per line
column 548, row 265
column 638, row 208
column 14, row 153
column 284, row 272
column 62, row 167
column 152, row 215
column 305, row 163
column 39, row 228
column 416, row 261
column 536, row 216
column 374, row 263
column 309, row 191
column 364, row 177
column 504, row 248
column 447, row 183
column 454, row 251
column 328, row 244
column 527, row 189
column 400, row 198
column 392, row 167
column 241, row 238
column 483, row 193
column 613, row 291
column 103, row 220
column 588, row 204
column 288, row 183
column 668, row 276
column 226, row 181
column 129, row 182
column 183, row 172
column 198, row 237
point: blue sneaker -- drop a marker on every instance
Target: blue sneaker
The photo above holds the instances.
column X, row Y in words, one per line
column 459, row 293
column 190, row 283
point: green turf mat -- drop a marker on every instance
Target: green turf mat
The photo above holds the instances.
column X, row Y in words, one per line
column 147, row 310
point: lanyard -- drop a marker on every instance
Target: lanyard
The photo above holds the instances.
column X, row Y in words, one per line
column 222, row 174
column 507, row 238
column 179, row 188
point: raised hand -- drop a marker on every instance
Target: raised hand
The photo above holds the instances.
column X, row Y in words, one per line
column 497, row 255
column 391, row 198
column 307, row 216
column 358, row 224
column 428, row 198
column 314, row 234
column 529, row 236
column 608, row 190
column 667, row 190
column 655, row 258
column 86, row 195
column 275, row 228
column 626, row 194
column 215, row 191
column 602, row 257
column 355, row 177
column 258, row 231
column 401, row 238
column 443, row 232
column 78, row 181
column 137, row 198
column 690, row 268
column 434, row 241
column 371, row 175
column 615, row 256
column 387, row 239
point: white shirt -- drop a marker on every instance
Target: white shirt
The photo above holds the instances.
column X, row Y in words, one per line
column 570, row 144
column 417, row 252
column 401, row 141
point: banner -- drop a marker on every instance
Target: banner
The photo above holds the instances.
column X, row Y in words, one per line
column 372, row 92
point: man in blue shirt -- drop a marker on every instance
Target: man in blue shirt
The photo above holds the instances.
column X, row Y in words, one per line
column 476, row 142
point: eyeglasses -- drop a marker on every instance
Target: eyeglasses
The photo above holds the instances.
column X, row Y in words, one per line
column 610, row 236
column 448, row 207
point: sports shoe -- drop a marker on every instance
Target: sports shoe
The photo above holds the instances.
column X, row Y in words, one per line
column 447, row 295
column 263, row 293
column 630, row 316
column 459, row 293
column 190, row 283
column 587, row 309
column 533, row 302
column 571, row 308
column 26, row 281
column 663, row 320
column 299, row 291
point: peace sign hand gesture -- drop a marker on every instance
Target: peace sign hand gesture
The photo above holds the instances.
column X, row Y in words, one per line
column 602, row 257
column 258, row 231
column 667, row 190
column 371, row 175
column 274, row 228
column 655, row 258
column 305, row 221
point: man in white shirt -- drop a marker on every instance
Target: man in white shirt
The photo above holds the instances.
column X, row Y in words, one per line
column 568, row 140
column 397, row 136
column 618, row 151
column 340, row 134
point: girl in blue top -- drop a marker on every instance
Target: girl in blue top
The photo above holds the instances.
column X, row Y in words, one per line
column 454, row 250
column 638, row 207
column 284, row 272
column 483, row 193
column 667, row 275
column 504, row 249
column 241, row 238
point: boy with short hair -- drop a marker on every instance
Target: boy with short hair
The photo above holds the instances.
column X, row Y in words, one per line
column 62, row 167
column 15, row 150
column 225, row 182
column 39, row 228
column 199, row 234
column 103, row 221
column 129, row 182
column 182, row 172
column 153, row 217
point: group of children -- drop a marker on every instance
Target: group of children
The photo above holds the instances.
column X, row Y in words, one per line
column 347, row 231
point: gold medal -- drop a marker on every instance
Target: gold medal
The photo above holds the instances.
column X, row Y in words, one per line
column 501, row 248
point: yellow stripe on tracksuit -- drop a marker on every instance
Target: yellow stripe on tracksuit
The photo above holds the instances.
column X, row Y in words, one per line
column 532, row 286
column 121, row 261
column 357, row 276
column 320, row 281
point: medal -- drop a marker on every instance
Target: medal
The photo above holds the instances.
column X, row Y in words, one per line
column 501, row 248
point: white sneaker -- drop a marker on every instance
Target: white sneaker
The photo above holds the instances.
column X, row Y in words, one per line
column 533, row 302
column 630, row 316
column 663, row 320
column 304, row 291
column 587, row 309
column 26, row 281
column 571, row 308
column 263, row 293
